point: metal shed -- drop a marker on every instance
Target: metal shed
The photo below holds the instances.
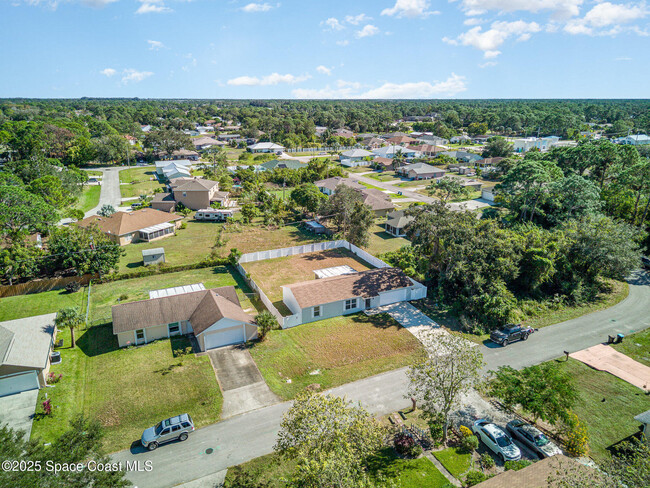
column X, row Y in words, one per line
column 153, row 256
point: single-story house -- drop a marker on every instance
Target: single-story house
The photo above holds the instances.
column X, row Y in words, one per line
column 384, row 163
column 394, row 134
column 644, row 418
column 466, row 182
column 480, row 139
column 391, row 151
column 228, row 137
column 203, row 143
column 153, row 256
column 397, row 221
column 433, row 140
column 377, row 200
column 428, row 149
column 25, row 347
column 401, row 140
column 488, row 162
column 147, row 224
column 174, row 169
column 345, row 294
column 527, row 143
column 537, row 474
column 373, row 142
column 464, row 156
column 460, row 139
column 197, row 193
column 214, row 214
column 328, row 186
column 345, row 133
column 214, row 316
column 634, row 140
column 279, row 164
column 185, row 154
column 266, row 147
column 319, row 130
column 356, row 157
column 420, row 171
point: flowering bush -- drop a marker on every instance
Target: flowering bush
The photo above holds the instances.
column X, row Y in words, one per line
column 47, row 407
column 53, row 378
column 406, row 445
column 465, row 431
column 576, row 438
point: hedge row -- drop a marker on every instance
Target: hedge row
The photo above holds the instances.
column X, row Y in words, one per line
column 163, row 269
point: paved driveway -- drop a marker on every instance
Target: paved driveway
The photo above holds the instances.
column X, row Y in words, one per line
column 242, row 385
column 17, row 411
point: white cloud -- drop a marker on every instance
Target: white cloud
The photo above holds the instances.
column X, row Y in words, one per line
column 155, row 45
column 559, row 8
column 345, row 89
column 367, row 31
column 409, row 8
column 324, row 70
column 272, row 79
column 357, row 19
column 344, row 42
column 152, row 7
column 488, row 64
column 97, row 3
column 488, row 41
column 333, row 23
column 129, row 75
column 108, row 72
column 256, row 7
column 473, row 21
column 607, row 18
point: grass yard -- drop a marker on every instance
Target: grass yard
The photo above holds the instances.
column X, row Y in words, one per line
column 89, row 198
column 358, row 169
column 454, row 461
column 139, row 181
column 367, row 185
column 127, row 390
column 384, row 176
column 40, row 303
column 342, row 349
column 104, row 296
column 194, row 243
column 636, row 346
column 608, row 406
column 268, row 471
column 271, row 274
column 381, row 241
column 93, row 172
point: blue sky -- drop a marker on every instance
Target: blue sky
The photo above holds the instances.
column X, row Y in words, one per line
column 325, row 48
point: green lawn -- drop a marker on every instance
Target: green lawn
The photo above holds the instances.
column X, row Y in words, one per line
column 408, row 184
column 637, row 346
column 104, row 296
column 342, row 349
column 93, row 172
column 269, row 471
column 384, row 176
column 127, row 390
column 381, row 241
column 358, row 169
column 139, row 181
column 367, row 185
column 89, row 198
column 40, row 303
column 454, row 461
column 194, row 243
column 608, row 406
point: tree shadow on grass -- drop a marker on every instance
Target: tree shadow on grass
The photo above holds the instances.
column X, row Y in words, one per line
column 97, row 340
column 379, row 321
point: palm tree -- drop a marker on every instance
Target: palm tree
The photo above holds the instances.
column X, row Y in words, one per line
column 398, row 159
column 70, row 317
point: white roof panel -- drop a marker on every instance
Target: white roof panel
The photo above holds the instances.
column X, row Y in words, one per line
column 334, row 271
column 177, row 290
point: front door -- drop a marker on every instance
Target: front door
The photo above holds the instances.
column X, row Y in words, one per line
column 140, row 337
column 367, row 302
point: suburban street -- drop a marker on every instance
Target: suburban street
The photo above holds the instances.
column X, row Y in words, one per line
column 247, row 436
column 110, row 192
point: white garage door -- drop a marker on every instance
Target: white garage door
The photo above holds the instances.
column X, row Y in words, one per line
column 224, row 337
column 18, row 382
column 393, row 296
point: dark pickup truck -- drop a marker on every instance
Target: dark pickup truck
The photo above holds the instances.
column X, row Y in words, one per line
column 511, row 333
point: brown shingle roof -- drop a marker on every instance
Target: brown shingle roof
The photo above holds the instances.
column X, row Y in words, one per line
column 364, row 284
column 121, row 223
column 195, row 184
column 383, row 161
column 332, row 183
column 400, row 139
column 202, row 308
column 376, row 199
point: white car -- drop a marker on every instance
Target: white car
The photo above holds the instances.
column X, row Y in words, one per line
column 497, row 440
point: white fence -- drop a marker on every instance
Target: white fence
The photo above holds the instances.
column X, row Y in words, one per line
column 419, row 290
column 320, row 149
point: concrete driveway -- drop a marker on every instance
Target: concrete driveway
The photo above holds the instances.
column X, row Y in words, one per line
column 243, row 387
column 17, row 411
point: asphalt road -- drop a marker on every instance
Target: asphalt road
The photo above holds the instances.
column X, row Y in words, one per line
column 110, row 192
column 244, row 437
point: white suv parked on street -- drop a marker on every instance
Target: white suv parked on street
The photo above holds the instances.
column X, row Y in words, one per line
column 497, row 440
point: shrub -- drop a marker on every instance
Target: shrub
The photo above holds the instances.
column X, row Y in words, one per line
column 406, row 445
column 465, row 431
column 266, row 322
column 53, row 378
column 123, row 297
column 183, row 225
column 72, row 287
column 474, row 478
column 469, row 443
column 487, row 461
column 517, row 465
column 576, row 437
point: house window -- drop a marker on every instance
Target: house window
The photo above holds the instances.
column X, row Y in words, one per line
column 351, row 304
column 174, row 328
column 139, row 336
column 316, row 312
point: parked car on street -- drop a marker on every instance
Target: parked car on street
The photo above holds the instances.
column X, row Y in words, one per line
column 533, row 438
column 511, row 333
column 497, row 440
column 170, row 429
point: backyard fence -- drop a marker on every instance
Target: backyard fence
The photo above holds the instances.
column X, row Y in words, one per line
column 418, row 291
column 321, row 149
column 39, row 286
